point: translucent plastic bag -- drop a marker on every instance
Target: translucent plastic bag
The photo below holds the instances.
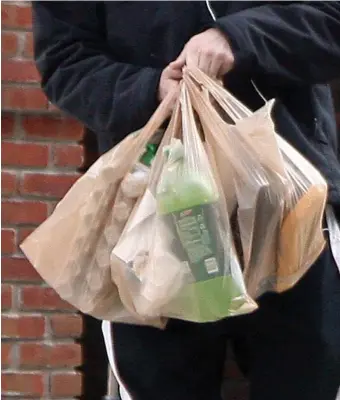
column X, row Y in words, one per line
column 176, row 255
column 281, row 196
column 71, row 249
column 255, row 192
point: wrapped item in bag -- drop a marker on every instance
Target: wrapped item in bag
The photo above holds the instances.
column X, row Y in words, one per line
column 299, row 239
column 71, row 249
column 261, row 209
column 258, row 191
column 177, row 247
column 132, row 186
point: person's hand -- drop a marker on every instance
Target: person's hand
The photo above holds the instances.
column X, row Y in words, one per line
column 169, row 81
column 209, row 51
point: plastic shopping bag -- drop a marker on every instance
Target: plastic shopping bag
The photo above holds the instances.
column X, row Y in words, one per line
column 176, row 255
column 256, row 238
column 281, row 196
column 71, row 249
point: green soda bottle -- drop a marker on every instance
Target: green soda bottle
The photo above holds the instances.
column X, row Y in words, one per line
column 188, row 200
column 149, row 154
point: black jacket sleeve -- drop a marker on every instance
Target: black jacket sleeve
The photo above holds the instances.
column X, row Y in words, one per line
column 295, row 43
column 80, row 75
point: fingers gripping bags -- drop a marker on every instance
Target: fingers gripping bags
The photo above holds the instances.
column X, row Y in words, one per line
column 177, row 252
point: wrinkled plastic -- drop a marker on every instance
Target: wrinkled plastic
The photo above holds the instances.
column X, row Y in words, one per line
column 281, row 197
column 177, row 253
column 139, row 245
column 71, row 249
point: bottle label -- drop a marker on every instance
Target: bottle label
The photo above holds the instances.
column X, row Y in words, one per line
column 198, row 240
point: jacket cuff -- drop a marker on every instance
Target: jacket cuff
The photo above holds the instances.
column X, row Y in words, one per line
column 233, row 27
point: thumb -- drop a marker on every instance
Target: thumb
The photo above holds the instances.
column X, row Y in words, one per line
column 173, row 73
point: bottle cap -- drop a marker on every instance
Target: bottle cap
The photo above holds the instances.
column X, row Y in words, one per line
column 149, row 154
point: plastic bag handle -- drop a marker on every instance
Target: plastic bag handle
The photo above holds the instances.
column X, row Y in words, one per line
column 213, row 124
column 233, row 107
column 171, row 132
column 141, row 138
column 188, row 98
column 162, row 113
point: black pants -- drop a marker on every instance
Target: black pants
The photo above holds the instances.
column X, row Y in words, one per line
column 292, row 344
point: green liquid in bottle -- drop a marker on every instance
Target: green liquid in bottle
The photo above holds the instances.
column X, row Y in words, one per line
column 188, row 202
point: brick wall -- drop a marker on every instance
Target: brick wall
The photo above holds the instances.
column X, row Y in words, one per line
column 40, row 157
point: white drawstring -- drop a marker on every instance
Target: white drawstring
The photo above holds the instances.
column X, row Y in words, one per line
column 213, row 16
column 258, row 91
column 211, row 11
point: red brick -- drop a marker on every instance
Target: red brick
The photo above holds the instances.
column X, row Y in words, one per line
column 15, row 269
column 51, row 127
column 28, row 327
column 41, row 298
column 66, row 326
column 23, row 384
column 16, row 16
column 6, row 297
column 8, row 241
column 47, row 185
column 7, row 125
column 23, row 98
column 6, row 350
column 28, row 46
column 23, row 212
column 68, row 156
column 19, row 71
column 9, row 44
column 66, row 385
column 33, row 355
column 24, row 154
column 66, row 355
column 8, row 183
column 23, row 233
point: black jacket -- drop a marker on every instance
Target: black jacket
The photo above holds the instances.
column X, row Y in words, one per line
column 101, row 62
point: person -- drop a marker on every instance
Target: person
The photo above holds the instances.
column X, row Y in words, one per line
column 109, row 64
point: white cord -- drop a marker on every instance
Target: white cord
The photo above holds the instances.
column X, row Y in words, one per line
column 211, row 11
column 258, row 91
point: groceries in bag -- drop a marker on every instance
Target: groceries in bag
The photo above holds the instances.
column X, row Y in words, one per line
column 286, row 219
column 178, row 243
column 188, row 202
column 145, row 234
column 71, row 249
